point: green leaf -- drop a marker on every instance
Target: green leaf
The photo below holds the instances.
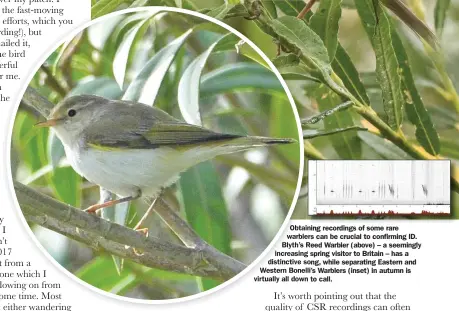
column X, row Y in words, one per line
column 441, row 8
column 146, row 84
column 299, row 72
column 416, row 112
column 66, row 184
column 99, row 33
column 55, row 150
column 205, row 209
column 188, row 88
column 100, row 86
column 383, row 147
column 410, row 19
column 286, row 60
column 450, row 148
column 91, row 273
column 298, row 34
column 308, row 134
column 104, row 7
column 32, row 141
column 246, row 50
column 270, row 8
column 126, row 50
column 290, row 7
column 239, row 77
column 345, row 142
column 325, row 22
column 378, row 28
column 221, row 11
column 346, row 71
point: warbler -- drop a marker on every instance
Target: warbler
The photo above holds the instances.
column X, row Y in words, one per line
column 132, row 149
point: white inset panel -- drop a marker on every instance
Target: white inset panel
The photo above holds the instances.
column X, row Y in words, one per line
column 418, row 184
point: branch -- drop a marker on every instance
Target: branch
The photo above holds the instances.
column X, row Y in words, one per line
column 100, row 234
column 35, row 101
column 52, row 81
column 210, row 257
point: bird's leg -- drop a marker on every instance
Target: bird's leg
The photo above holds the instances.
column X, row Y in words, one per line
column 94, row 208
column 306, row 9
column 139, row 227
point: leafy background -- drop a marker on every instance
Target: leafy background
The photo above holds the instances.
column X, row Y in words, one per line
column 382, row 63
column 191, row 69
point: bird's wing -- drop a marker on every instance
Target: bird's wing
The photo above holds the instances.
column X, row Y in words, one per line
column 145, row 128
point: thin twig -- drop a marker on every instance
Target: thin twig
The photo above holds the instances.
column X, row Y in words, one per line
column 306, row 9
column 37, row 102
column 65, row 61
column 53, row 83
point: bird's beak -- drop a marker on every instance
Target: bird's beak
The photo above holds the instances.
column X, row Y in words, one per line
column 47, row 123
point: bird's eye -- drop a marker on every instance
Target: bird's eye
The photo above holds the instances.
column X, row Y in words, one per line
column 71, row 112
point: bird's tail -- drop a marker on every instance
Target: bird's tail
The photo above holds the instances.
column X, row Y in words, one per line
column 235, row 144
column 258, row 141
column 247, row 142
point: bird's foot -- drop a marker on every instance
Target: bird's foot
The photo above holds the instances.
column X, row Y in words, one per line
column 144, row 231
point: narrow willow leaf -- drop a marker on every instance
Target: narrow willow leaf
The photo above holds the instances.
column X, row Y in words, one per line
column 32, row 143
column 270, row 8
column 102, row 265
column 299, row 72
column 220, row 12
column 441, row 8
column 104, row 7
column 378, row 27
column 206, row 210
column 231, row 42
column 383, row 147
column 57, row 60
column 346, row 71
column 56, row 150
column 99, row 33
column 290, row 7
column 297, row 36
column 326, row 113
column 346, row 144
column 188, row 88
column 100, row 86
column 325, row 22
column 239, row 77
column 125, row 51
column 450, row 148
column 410, row 19
column 417, row 114
column 146, row 84
column 300, row 36
column 286, row 60
column 246, row 50
column 66, row 185
column 308, row 134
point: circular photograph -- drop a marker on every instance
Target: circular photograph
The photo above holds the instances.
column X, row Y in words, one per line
column 156, row 154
